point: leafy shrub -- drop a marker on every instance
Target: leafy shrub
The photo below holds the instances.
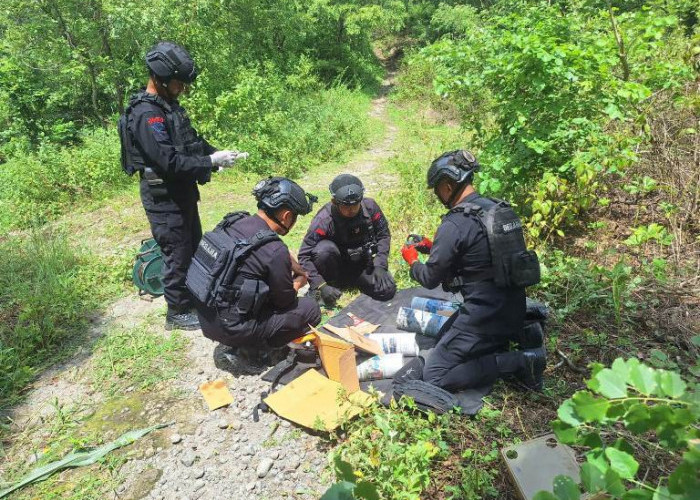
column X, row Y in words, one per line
column 393, row 448
column 630, row 411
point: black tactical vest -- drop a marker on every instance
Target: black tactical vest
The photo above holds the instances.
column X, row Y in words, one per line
column 177, row 123
column 356, row 235
column 512, row 264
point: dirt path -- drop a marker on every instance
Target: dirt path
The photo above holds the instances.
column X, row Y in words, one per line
column 202, row 454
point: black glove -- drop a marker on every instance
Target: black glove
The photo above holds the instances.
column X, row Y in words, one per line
column 383, row 281
column 329, row 294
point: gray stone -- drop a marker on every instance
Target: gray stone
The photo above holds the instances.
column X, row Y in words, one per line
column 199, row 473
column 175, row 438
column 188, row 459
column 274, row 454
column 223, row 424
column 264, row 467
column 250, row 486
column 199, row 485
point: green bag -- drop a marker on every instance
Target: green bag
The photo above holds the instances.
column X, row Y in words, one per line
column 147, row 269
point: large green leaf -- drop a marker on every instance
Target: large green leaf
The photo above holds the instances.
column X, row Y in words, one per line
column 564, row 432
column 589, row 407
column 567, row 413
column 643, row 379
column 638, row 418
column 621, row 462
column 592, row 478
column 366, row 491
column 565, row 488
column 544, row 495
column 343, row 470
column 340, row 491
column 613, row 483
column 638, row 494
column 610, row 384
column 671, row 383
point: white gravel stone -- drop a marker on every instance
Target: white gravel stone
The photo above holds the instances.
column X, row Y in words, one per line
column 175, row 438
column 264, row 467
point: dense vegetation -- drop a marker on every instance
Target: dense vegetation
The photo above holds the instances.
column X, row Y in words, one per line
column 584, row 113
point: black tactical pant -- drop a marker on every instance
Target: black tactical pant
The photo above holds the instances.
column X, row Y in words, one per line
column 269, row 329
column 465, row 360
column 338, row 270
column 178, row 234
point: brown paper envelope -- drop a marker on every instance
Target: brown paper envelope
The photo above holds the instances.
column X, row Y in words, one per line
column 216, row 394
column 313, row 401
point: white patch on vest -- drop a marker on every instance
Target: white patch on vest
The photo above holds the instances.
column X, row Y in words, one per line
column 512, row 226
column 209, row 249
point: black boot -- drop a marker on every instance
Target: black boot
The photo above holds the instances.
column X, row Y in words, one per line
column 534, row 362
column 186, row 320
column 531, row 336
column 526, row 366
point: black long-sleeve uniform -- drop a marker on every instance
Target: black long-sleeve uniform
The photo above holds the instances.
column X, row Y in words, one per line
column 164, row 141
column 284, row 316
column 489, row 317
column 345, row 252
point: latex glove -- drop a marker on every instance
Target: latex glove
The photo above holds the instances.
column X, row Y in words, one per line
column 409, row 254
column 329, row 294
column 224, row 158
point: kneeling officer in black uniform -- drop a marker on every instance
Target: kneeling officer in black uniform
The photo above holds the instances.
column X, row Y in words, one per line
column 244, row 279
column 347, row 244
column 480, row 251
column 160, row 144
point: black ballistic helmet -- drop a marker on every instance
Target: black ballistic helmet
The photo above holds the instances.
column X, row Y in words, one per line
column 458, row 165
column 167, row 60
column 347, row 189
column 276, row 192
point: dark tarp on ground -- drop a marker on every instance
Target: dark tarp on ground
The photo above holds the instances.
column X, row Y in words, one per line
column 384, row 314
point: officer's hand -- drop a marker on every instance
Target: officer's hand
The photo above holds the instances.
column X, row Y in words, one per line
column 382, row 280
column 424, row 245
column 224, row 158
column 329, row 294
column 409, row 254
column 299, row 282
column 297, row 269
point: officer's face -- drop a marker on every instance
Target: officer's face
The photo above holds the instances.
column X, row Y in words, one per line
column 176, row 88
column 349, row 211
column 443, row 190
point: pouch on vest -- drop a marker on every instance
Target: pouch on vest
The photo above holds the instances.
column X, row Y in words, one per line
column 513, row 265
column 126, row 144
column 209, row 261
column 253, row 296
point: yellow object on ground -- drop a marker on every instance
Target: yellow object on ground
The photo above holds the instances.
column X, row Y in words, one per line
column 216, row 394
column 316, row 402
column 338, row 358
column 355, row 335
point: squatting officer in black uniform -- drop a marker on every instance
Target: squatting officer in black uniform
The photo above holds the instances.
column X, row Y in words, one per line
column 159, row 142
column 268, row 278
column 347, row 244
column 472, row 351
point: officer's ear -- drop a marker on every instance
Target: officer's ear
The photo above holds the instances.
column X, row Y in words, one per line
column 288, row 218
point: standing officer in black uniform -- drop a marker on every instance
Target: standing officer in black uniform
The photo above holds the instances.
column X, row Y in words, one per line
column 479, row 250
column 160, row 144
column 347, row 244
column 254, row 303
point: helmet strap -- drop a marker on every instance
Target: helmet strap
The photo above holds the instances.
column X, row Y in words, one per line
column 277, row 221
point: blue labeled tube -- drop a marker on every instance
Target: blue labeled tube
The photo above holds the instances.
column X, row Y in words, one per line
column 433, row 305
column 421, row 322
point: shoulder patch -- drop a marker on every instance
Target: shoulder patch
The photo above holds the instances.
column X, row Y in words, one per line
column 156, row 119
column 158, row 128
column 320, row 232
column 376, row 216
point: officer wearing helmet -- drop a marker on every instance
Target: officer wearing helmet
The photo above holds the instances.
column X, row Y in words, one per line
column 479, row 251
column 347, row 245
column 245, row 280
column 171, row 158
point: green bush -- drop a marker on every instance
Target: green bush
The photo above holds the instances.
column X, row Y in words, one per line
column 631, row 412
column 37, row 187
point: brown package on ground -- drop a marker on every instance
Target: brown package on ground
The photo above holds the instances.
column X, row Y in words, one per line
column 338, row 358
column 313, row 401
column 216, row 394
column 357, row 338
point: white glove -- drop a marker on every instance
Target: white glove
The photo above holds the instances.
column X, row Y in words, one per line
column 223, row 158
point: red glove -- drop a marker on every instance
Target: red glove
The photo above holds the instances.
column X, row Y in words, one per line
column 409, row 254
column 424, row 245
